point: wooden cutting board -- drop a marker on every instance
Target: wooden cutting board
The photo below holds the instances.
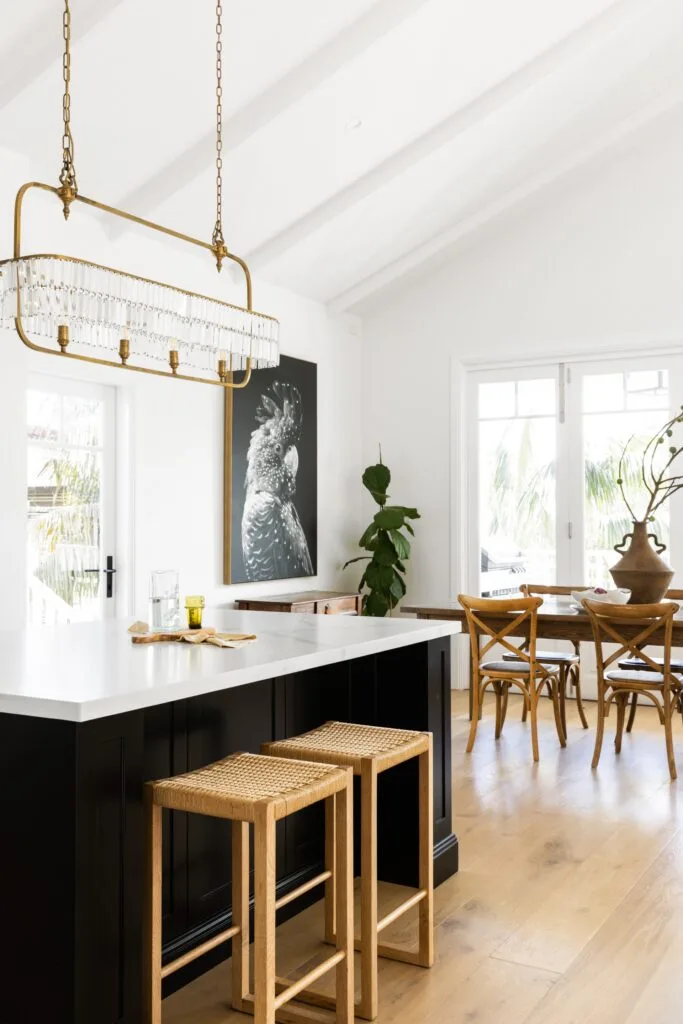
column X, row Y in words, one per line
column 155, row 638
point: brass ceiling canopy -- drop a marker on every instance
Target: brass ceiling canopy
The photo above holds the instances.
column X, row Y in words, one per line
column 97, row 314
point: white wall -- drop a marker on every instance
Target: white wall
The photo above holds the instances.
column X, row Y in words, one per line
column 175, row 445
column 594, row 265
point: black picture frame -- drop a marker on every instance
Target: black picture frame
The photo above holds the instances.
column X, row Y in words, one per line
column 271, row 492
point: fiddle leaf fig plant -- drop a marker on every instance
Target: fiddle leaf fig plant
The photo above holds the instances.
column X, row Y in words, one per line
column 382, row 583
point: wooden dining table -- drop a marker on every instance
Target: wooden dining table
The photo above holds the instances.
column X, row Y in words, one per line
column 558, row 619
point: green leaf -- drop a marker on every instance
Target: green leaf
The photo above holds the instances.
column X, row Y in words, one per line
column 409, row 513
column 401, row 544
column 377, row 479
column 385, row 552
column 390, row 518
column 361, row 558
column 379, row 577
column 368, row 535
column 375, row 604
column 400, row 566
column 397, row 588
column 409, row 528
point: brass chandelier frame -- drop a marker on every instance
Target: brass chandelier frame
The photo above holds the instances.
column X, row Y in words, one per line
column 67, row 193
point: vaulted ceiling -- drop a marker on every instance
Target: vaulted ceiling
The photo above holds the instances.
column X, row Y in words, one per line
column 363, row 139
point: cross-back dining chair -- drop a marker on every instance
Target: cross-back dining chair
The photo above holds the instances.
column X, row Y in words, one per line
column 519, row 616
column 630, row 627
column 568, row 664
column 638, row 663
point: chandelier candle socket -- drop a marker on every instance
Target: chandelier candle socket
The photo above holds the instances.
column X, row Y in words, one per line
column 98, row 314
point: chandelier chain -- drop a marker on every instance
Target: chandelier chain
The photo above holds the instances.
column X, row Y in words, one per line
column 217, row 239
column 67, row 175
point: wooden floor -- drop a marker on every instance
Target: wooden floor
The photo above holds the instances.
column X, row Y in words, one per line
column 568, row 908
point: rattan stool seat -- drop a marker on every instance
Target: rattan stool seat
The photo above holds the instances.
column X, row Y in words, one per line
column 347, row 744
column 232, row 787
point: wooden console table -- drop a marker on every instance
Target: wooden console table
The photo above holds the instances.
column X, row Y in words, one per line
column 312, row 602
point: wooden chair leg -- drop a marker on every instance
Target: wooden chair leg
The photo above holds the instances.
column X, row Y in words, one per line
column 562, row 697
column 426, row 879
column 152, row 924
column 599, row 731
column 476, row 715
column 339, row 813
column 575, row 675
column 368, row 1005
column 557, row 689
column 632, row 712
column 240, row 913
column 668, row 731
column 264, row 915
column 622, row 701
column 504, row 709
column 525, row 708
column 498, row 690
column 533, row 711
column 330, row 896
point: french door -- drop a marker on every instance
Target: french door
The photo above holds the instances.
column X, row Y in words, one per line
column 544, row 500
column 71, row 504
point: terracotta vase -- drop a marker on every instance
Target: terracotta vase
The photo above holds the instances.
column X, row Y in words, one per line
column 640, row 569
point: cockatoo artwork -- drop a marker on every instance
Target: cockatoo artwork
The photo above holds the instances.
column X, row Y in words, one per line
column 274, row 544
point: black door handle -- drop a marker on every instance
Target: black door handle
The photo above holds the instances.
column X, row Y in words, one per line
column 109, row 573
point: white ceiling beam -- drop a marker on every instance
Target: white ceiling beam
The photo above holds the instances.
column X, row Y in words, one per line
column 591, row 34
column 41, row 43
column 470, row 229
column 383, row 16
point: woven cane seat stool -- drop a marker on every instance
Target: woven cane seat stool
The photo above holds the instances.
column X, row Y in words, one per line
column 251, row 788
column 370, row 750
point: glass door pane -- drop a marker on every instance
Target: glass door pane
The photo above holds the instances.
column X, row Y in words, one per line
column 617, row 406
column 516, row 466
column 69, row 500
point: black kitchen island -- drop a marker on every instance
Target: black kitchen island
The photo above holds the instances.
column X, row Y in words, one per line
column 86, row 718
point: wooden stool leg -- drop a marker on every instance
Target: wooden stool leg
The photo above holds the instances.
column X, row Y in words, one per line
column 240, row 913
column 330, row 898
column 426, row 881
column 153, row 879
column 264, row 914
column 367, row 1008
column 342, row 809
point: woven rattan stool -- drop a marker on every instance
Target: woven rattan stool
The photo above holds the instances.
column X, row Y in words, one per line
column 370, row 750
column 251, row 788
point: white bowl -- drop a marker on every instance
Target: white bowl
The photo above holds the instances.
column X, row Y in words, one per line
column 607, row 596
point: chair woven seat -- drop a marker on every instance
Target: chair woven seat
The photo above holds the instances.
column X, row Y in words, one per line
column 232, row 787
column 349, row 744
column 642, row 677
column 548, row 657
column 642, row 666
column 511, row 665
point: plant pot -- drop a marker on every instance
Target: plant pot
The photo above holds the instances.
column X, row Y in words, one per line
column 640, row 569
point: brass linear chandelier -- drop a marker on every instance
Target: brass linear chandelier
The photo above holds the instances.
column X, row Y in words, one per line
column 100, row 315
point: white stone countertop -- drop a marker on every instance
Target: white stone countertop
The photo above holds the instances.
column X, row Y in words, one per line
column 84, row 671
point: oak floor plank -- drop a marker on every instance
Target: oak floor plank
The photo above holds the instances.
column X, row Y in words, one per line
column 554, row 935
column 612, row 973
